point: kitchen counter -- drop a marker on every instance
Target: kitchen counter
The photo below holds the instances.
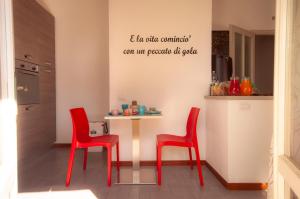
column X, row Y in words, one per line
column 239, row 133
column 239, row 97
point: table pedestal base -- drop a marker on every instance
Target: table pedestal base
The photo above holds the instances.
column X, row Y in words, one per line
column 142, row 176
column 136, row 174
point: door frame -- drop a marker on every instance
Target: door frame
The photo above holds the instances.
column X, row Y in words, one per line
column 286, row 174
column 235, row 29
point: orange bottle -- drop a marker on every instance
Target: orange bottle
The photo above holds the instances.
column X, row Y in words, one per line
column 246, row 87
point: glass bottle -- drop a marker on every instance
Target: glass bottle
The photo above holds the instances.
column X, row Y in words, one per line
column 234, row 88
column 246, row 87
column 213, row 83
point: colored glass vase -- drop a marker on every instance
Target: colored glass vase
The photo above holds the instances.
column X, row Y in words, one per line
column 234, row 88
column 246, row 87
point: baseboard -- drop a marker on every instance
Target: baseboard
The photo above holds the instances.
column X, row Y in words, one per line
column 227, row 185
column 165, row 163
column 61, row 145
column 236, row 186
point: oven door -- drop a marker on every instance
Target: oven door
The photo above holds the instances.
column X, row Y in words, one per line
column 27, row 86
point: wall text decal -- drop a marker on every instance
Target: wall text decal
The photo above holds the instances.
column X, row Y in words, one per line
column 160, row 51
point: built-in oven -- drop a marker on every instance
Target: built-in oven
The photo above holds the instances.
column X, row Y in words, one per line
column 27, row 82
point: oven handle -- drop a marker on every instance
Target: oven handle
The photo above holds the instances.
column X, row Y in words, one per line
column 48, row 71
column 28, row 73
column 22, row 88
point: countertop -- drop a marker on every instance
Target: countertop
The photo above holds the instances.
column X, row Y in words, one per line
column 239, row 97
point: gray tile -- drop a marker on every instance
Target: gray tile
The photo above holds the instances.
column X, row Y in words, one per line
column 48, row 172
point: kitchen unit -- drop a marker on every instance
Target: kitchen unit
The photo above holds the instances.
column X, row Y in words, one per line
column 34, row 51
column 239, row 135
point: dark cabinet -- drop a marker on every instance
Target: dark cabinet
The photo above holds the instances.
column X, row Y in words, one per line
column 46, row 38
column 30, row 133
column 47, row 103
column 34, row 33
column 35, row 42
column 26, row 47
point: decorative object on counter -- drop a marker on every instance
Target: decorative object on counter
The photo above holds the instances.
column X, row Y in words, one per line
column 255, row 90
column 142, row 110
column 226, row 87
column 127, row 112
column 216, row 90
column 152, row 110
column 124, row 107
column 219, row 89
column 213, row 82
column 246, row 87
column 134, row 107
column 115, row 112
column 234, row 88
column 211, row 89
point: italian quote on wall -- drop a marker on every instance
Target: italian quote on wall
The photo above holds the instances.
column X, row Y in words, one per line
column 166, row 50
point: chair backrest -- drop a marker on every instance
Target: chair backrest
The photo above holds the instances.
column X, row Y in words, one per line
column 191, row 125
column 80, row 124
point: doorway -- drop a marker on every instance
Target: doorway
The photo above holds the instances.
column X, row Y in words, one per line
column 264, row 63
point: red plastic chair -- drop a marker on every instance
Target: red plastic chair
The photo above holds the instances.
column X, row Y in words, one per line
column 189, row 141
column 81, row 139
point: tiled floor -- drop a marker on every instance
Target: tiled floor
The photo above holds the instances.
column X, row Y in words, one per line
column 45, row 178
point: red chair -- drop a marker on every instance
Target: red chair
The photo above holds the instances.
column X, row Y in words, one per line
column 81, row 139
column 189, row 141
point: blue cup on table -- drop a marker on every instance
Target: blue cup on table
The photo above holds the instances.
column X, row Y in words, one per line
column 142, row 110
column 124, row 107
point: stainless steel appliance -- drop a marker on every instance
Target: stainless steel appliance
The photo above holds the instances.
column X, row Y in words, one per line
column 222, row 65
column 27, row 82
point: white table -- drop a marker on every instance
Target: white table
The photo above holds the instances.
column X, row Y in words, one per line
column 136, row 174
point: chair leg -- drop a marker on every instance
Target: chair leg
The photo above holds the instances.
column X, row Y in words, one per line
column 85, row 158
column 157, row 158
column 199, row 166
column 159, row 165
column 70, row 165
column 191, row 157
column 118, row 157
column 109, row 166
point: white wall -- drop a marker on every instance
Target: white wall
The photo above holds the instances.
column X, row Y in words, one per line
column 172, row 83
column 81, row 59
column 248, row 14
